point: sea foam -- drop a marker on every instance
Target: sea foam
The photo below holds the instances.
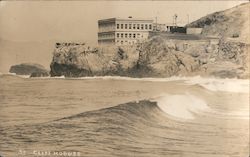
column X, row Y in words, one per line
column 227, row 85
column 181, row 106
column 212, row 84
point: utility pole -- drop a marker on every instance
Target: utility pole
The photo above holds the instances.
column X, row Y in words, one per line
column 156, row 23
column 175, row 19
column 187, row 18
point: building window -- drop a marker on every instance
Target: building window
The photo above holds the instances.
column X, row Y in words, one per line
column 142, row 26
column 138, row 35
column 126, row 35
column 121, row 35
column 122, row 42
column 117, row 26
column 134, row 26
column 134, row 35
column 130, row 25
column 138, row 26
column 150, row 26
column 121, row 26
column 146, row 26
column 130, row 35
column 126, row 26
column 117, row 41
column 118, row 35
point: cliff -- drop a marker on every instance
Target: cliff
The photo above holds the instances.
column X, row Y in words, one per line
column 158, row 57
column 219, row 58
column 226, row 56
column 75, row 60
column 232, row 23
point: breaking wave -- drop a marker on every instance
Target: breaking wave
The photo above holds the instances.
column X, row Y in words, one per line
column 181, row 106
column 212, row 84
column 14, row 75
column 169, row 124
column 227, row 85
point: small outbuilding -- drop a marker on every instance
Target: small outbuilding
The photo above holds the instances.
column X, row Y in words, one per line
column 191, row 30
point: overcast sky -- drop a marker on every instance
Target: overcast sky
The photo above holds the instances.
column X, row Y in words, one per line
column 51, row 21
column 44, row 20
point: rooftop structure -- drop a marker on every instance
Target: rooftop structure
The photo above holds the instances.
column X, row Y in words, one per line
column 123, row 31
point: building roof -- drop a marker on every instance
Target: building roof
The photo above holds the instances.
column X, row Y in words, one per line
column 125, row 19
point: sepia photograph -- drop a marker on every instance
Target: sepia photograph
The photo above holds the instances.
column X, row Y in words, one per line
column 124, row 78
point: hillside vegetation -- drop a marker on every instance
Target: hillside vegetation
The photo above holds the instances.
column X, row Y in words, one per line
column 231, row 23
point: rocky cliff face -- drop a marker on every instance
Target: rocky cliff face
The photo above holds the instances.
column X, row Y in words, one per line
column 80, row 60
column 158, row 57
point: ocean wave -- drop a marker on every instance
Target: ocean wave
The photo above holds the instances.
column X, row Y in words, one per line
column 212, row 84
column 182, row 106
column 227, row 85
column 129, row 110
column 115, row 78
column 15, row 75
column 139, row 127
column 178, row 106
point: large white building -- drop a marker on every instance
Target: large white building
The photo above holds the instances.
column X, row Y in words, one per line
column 123, row 31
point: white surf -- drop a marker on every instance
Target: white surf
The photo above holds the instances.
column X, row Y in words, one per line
column 182, row 106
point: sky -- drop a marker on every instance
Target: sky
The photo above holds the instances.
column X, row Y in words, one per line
column 29, row 29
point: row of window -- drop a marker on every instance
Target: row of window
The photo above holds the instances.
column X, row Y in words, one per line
column 128, row 35
column 134, row 26
column 106, row 36
column 125, row 42
column 105, row 41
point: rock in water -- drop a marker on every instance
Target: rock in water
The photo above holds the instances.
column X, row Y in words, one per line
column 40, row 74
column 28, row 69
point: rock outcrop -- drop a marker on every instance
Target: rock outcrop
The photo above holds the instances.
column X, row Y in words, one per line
column 79, row 60
column 158, row 57
column 218, row 58
column 29, row 69
column 40, row 74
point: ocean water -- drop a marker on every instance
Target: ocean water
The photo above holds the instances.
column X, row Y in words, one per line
column 114, row 116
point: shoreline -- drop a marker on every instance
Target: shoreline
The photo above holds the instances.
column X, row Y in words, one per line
column 118, row 77
column 211, row 83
